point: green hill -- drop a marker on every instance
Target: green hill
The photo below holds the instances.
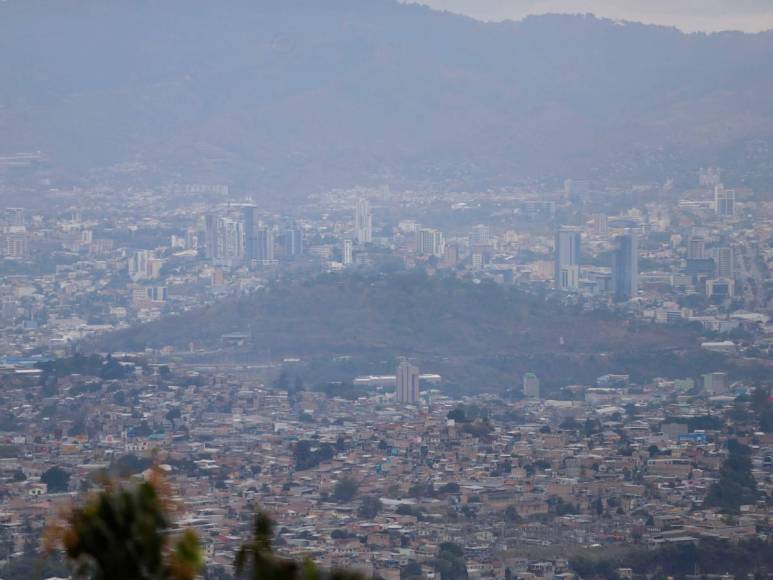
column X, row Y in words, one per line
column 479, row 336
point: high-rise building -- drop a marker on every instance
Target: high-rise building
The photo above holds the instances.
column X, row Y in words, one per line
column 16, row 246
column 625, row 267
column 724, row 201
column 230, row 240
column 346, row 252
column 725, row 261
column 430, row 242
column 531, row 386
column 14, row 216
column 210, row 236
column 249, row 225
column 480, row 235
column 264, row 244
column 600, row 224
column 407, row 383
column 363, row 222
column 139, row 265
column 567, row 258
column 715, row 383
column 696, row 248
column 292, row 242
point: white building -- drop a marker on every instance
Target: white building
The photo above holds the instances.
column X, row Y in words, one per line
column 363, row 222
column 407, row 383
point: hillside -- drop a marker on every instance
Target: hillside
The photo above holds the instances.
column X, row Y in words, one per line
column 477, row 335
column 291, row 96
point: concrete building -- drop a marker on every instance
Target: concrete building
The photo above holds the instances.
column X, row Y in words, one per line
column 407, row 383
column 567, row 259
column 625, row 267
column 531, row 386
column 363, row 222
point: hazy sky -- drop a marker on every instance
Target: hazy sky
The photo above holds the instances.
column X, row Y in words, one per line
column 689, row 15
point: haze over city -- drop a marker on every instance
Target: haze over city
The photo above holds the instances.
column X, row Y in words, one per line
column 348, row 289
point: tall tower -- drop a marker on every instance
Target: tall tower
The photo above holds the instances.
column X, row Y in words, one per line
column 407, row 383
column 724, row 201
column 347, row 252
column 567, row 258
column 696, row 248
column 625, row 267
column 531, row 386
column 363, row 222
column 264, row 246
column 248, row 216
column 725, row 262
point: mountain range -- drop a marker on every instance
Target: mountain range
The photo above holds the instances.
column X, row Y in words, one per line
column 286, row 97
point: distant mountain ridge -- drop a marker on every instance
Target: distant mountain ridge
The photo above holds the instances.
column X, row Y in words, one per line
column 295, row 95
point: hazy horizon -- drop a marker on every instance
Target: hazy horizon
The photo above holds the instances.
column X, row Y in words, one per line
column 687, row 15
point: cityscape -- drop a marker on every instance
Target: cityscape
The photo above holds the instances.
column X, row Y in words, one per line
column 548, row 377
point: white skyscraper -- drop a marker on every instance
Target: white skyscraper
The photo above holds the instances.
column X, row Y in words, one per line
column 363, row 222
column 139, row 265
column 347, row 252
column 724, row 201
column 407, row 384
column 430, row 242
column 567, row 258
column 531, row 386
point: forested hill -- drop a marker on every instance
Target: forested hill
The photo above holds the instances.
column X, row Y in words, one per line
column 285, row 96
column 474, row 333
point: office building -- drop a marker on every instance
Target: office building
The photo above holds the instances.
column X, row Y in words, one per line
column 249, row 227
column 567, row 259
column 625, row 267
column 715, row 383
column 346, row 252
column 139, row 265
column 264, row 244
column 363, row 222
column 430, row 242
column 696, row 248
column 725, row 262
column 229, row 246
column 531, row 386
column 17, row 246
column 480, row 236
column 210, row 236
column 600, row 224
column 292, row 242
column 724, row 201
column 720, row 288
column 14, row 216
column 407, row 384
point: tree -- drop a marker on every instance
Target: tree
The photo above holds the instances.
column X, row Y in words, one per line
column 57, row 479
column 370, row 507
column 512, row 515
column 172, row 415
column 457, row 415
column 345, row 490
column 450, row 562
column 122, row 533
column 736, row 485
column 256, row 559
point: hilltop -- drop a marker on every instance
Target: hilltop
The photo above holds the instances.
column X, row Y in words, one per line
column 480, row 336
